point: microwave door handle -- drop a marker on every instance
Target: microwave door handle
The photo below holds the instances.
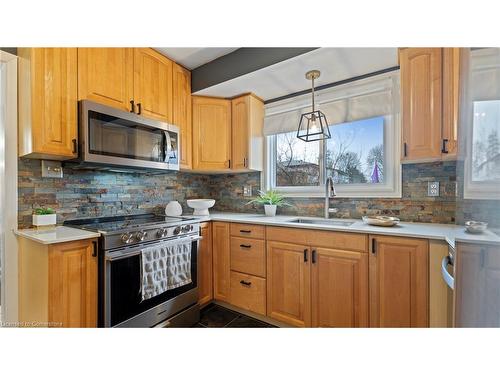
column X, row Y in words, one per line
column 167, row 146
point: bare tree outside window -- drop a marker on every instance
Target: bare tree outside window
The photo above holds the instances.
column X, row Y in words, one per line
column 354, row 155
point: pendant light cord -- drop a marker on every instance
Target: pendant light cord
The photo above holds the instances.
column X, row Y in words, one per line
column 312, row 93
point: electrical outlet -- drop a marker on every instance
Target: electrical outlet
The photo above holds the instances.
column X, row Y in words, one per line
column 247, row 190
column 52, row 169
column 433, row 189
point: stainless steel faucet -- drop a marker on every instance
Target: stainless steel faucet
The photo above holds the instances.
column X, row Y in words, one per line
column 329, row 193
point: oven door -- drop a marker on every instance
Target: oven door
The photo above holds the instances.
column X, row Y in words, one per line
column 117, row 138
column 122, row 291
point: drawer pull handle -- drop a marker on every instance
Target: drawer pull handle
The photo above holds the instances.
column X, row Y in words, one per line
column 246, row 283
column 305, row 255
column 245, row 231
column 246, row 246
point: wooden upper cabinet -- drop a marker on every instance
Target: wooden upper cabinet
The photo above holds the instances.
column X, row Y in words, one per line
column 106, row 76
column 339, row 288
column 73, row 284
column 421, row 97
column 247, row 137
column 205, row 284
column 451, row 89
column 48, row 120
column 211, row 134
column 221, row 265
column 153, row 84
column 182, row 113
column 288, row 283
column 398, row 277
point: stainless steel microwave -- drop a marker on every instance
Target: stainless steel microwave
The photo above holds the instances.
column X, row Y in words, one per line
column 111, row 138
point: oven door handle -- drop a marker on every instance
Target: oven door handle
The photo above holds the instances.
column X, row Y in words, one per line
column 122, row 254
column 448, row 279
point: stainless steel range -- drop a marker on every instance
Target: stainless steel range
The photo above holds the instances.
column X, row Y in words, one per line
column 120, row 247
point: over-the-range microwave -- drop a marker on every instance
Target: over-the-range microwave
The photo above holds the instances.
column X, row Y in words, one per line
column 110, row 138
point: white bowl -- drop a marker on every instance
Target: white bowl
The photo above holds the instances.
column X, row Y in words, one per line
column 200, row 206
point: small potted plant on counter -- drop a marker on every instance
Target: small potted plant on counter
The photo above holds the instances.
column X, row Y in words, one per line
column 270, row 199
column 44, row 216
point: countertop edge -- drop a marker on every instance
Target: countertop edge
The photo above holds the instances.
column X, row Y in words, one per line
column 31, row 234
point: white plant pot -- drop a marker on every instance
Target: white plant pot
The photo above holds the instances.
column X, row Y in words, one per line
column 270, row 209
column 41, row 220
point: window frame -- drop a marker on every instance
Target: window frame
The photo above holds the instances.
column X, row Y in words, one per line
column 391, row 188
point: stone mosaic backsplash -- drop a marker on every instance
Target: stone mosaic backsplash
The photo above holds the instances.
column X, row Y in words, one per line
column 413, row 206
column 83, row 193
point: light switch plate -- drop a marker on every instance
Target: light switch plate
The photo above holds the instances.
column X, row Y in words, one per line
column 247, row 190
column 52, row 169
column 433, row 189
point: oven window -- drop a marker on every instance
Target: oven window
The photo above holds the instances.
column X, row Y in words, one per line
column 112, row 136
column 125, row 288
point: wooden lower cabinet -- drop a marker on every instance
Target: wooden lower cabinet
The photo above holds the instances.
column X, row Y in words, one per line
column 288, row 283
column 248, row 292
column 399, row 282
column 221, row 260
column 205, row 274
column 58, row 284
column 339, row 288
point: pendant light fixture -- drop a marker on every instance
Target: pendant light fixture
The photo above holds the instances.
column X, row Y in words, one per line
column 313, row 125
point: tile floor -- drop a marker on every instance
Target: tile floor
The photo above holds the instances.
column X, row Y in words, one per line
column 215, row 316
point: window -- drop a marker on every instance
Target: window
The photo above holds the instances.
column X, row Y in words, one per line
column 482, row 127
column 362, row 155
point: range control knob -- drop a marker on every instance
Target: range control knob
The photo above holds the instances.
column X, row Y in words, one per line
column 126, row 237
column 177, row 230
column 162, row 232
column 141, row 235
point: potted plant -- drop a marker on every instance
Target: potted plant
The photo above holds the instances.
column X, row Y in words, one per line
column 44, row 216
column 270, row 199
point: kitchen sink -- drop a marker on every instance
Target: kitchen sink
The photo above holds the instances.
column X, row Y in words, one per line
column 333, row 223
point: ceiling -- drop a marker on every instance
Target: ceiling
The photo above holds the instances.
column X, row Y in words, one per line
column 287, row 77
column 194, row 57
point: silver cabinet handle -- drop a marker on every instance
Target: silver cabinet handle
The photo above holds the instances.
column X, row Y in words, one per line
column 448, row 279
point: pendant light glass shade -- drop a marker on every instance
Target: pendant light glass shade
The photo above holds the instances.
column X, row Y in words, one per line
column 313, row 125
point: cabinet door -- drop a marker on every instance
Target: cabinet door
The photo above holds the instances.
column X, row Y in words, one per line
column 153, row 84
column 106, row 76
column 240, row 132
column 247, row 137
column 421, row 82
column 451, row 79
column 205, row 285
column 211, row 134
column 73, row 284
column 48, row 77
column 399, row 273
column 221, row 264
column 288, row 283
column 339, row 288
column 182, row 113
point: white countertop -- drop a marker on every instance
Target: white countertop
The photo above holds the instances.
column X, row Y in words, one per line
column 445, row 232
column 55, row 234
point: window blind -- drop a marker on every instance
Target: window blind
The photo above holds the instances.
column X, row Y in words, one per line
column 370, row 97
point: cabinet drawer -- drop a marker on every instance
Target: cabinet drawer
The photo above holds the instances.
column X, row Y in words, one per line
column 319, row 238
column 248, row 256
column 248, row 230
column 248, row 292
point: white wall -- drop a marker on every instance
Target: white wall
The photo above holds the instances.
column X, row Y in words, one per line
column 9, row 191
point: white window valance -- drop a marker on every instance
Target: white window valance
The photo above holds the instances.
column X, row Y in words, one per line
column 370, row 97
